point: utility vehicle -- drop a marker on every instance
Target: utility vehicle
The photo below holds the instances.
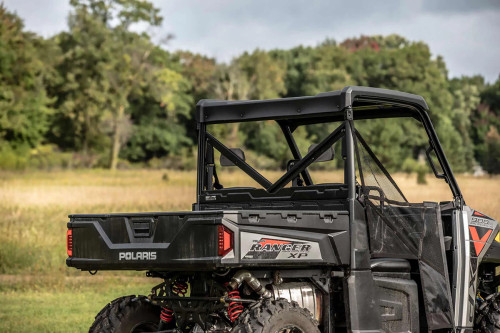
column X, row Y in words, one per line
column 299, row 253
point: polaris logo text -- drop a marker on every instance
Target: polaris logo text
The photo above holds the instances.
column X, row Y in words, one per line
column 137, row 256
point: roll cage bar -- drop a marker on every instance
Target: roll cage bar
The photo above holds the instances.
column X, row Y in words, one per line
column 348, row 104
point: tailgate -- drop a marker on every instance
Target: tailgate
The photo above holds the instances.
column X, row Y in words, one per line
column 144, row 241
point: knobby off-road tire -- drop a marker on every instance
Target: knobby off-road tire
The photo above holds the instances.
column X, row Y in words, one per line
column 488, row 314
column 276, row 316
column 127, row 314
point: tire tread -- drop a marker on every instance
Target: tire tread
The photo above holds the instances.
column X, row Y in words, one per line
column 109, row 318
column 258, row 315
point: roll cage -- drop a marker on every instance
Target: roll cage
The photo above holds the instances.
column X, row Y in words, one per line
column 347, row 105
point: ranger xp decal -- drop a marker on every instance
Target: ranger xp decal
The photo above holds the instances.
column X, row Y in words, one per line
column 257, row 246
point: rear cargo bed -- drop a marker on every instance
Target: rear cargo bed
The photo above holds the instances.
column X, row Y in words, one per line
column 192, row 240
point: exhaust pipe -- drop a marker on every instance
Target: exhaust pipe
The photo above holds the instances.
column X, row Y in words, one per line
column 254, row 283
column 304, row 293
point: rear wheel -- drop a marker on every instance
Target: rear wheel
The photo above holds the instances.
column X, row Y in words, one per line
column 128, row 314
column 276, row 316
column 488, row 314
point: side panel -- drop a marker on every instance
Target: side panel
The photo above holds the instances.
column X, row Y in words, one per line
column 363, row 297
column 398, row 304
column 288, row 238
column 474, row 233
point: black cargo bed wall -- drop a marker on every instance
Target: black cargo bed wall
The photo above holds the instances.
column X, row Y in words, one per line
column 317, row 197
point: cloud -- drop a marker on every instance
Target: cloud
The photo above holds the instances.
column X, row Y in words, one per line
column 460, row 6
column 46, row 17
column 467, row 39
column 466, row 33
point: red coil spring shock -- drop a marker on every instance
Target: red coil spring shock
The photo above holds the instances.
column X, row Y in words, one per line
column 180, row 288
column 167, row 315
column 235, row 308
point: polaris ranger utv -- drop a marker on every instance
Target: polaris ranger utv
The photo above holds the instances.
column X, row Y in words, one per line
column 298, row 255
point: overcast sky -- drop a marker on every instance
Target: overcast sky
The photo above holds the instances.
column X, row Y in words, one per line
column 465, row 32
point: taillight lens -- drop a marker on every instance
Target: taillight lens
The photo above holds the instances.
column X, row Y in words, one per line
column 69, row 242
column 226, row 240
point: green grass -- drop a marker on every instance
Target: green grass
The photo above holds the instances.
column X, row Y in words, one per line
column 50, row 312
column 71, row 308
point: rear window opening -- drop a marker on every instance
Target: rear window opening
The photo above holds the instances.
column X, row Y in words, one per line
column 263, row 146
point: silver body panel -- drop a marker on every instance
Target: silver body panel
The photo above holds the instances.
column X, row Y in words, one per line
column 462, row 273
column 305, row 294
column 468, row 254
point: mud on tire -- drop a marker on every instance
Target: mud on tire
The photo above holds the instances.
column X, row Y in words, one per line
column 488, row 314
column 127, row 314
column 276, row 316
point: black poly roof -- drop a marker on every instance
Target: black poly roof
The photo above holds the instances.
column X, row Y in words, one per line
column 323, row 104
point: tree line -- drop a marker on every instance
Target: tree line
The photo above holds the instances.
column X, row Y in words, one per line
column 102, row 94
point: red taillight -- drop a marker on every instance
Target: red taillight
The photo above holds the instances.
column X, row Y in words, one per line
column 225, row 240
column 69, row 242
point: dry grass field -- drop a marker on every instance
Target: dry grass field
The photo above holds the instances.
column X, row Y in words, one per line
column 38, row 293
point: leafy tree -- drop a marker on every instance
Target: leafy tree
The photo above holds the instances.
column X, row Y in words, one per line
column 126, row 74
column 465, row 100
column 127, row 67
column 408, row 66
column 257, row 75
column 104, row 89
column 24, row 105
column 356, row 44
column 492, row 157
column 128, row 58
column 327, row 71
column 114, row 67
column 485, row 127
column 160, row 129
column 82, row 91
column 200, row 71
column 491, row 96
column 231, row 84
column 264, row 74
column 297, row 62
